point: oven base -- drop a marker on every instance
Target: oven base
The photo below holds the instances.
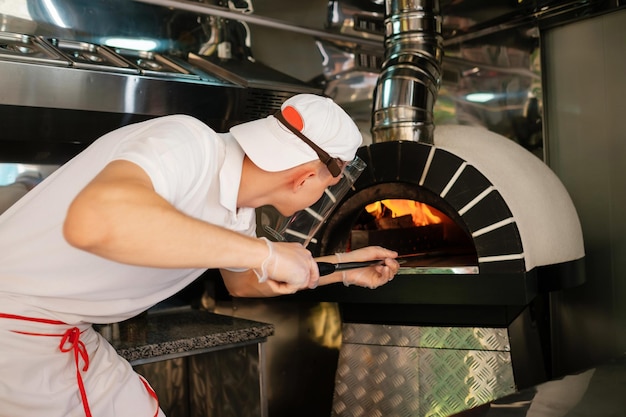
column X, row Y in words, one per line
column 435, row 371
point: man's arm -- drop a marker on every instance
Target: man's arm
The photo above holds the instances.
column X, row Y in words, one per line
column 245, row 284
column 119, row 216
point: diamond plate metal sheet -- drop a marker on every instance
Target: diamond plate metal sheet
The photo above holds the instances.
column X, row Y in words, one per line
column 479, row 338
column 399, row 380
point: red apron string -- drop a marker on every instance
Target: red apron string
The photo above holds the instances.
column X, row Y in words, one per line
column 70, row 341
column 16, row 317
column 152, row 393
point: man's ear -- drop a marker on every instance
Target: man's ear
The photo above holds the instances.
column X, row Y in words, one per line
column 302, row 177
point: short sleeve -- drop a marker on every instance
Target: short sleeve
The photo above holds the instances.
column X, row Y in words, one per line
column 176, row 153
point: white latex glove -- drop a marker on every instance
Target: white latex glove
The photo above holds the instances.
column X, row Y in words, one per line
column 289, row 267
column 371, row 276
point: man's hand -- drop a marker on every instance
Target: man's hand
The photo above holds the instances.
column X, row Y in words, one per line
column 289, row 267
column 372, row 276
column 292, row 269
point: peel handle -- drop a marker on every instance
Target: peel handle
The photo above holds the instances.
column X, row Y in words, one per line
column 327, row 268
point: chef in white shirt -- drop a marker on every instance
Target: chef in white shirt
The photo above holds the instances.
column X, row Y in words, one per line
column 138, row 216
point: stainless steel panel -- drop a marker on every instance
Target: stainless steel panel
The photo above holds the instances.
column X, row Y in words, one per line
column 222, row 383
column 250, row 74
column 70, row 88
column 28, row 48
column 420, row 371
column 152, row 63
column 90, row 56
column 301, row 356
column 226, row 383
column 586, row 136
column 427, row 337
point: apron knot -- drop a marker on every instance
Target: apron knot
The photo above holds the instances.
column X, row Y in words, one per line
column 71, row 342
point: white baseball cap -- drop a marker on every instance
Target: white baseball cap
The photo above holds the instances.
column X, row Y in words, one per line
column 273, row 147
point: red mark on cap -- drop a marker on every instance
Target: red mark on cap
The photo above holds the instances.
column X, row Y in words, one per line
column 293, row 117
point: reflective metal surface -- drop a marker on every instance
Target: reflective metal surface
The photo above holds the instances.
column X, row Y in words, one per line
column 211, row 10
column 301, row 356
column 28, row 48
column 415, row 270
column 170, row 380
column 488, row 78
column 237, row 374
column 224, row 382
column 62, row 72
column 75, row 106
column 595, row 392
column 463, row 338
column 488, row 49
column 90, row 56
column 587, row 137
column 420, row 371
column 152, row 63
column 409, row 80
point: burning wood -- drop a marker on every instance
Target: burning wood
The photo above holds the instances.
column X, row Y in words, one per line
column 406, row 226
column 399, row 214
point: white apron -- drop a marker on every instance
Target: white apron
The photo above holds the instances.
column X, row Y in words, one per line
column 52, row 369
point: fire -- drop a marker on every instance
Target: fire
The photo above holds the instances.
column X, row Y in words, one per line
column 421, row 214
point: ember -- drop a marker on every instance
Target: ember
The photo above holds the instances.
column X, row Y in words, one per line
column 393, row 214
column 407, row 226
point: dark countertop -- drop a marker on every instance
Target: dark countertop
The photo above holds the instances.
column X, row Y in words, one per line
column 169, row 334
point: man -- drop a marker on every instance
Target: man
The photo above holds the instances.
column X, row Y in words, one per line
column 137, row 217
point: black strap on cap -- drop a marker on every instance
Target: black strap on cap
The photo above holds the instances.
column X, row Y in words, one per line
column 335, row 165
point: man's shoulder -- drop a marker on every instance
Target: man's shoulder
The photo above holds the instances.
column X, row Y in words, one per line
column 182, row 119
column 181, row 127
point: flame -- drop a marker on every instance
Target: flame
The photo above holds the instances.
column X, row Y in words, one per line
column 421, row 214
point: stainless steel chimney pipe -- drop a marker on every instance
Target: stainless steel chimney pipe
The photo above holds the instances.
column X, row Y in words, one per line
column 409, row 81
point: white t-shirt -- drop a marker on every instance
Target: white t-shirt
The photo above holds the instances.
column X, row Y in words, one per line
column 194, row 168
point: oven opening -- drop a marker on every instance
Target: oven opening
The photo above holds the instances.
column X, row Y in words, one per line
column 403, row 217
column 413, row 228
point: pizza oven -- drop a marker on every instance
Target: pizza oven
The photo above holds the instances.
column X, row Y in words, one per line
column 473, row 204
column 469, row 210
column 491, row 232
column 487, row 231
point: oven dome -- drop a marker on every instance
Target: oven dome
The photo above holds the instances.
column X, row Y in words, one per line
column 546, row 218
